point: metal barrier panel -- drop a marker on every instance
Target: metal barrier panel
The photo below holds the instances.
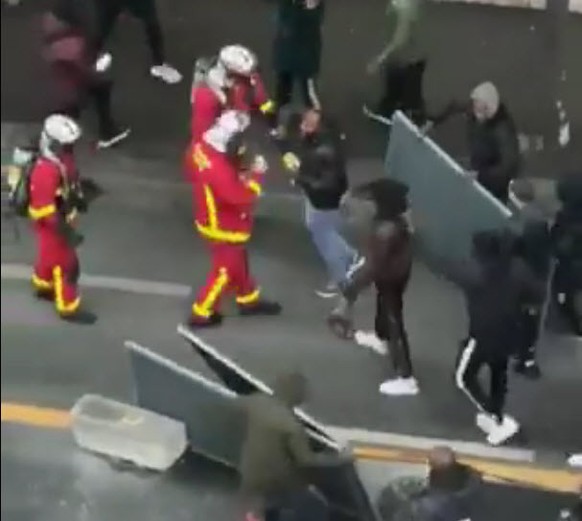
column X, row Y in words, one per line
column 215, row 424
column 448, row 207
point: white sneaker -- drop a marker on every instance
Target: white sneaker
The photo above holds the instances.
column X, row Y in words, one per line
column 329, row 291
column 575, row 460
column 369, row 340
column 501, row 432
column 485, row 422
column 166, row 73
column 400, row 387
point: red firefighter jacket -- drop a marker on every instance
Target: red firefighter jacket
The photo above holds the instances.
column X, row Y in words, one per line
column 223, row 199
column 50, row 186
column 206, row 108
column 250, row 94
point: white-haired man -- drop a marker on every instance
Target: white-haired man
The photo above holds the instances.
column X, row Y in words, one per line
column 224, row 200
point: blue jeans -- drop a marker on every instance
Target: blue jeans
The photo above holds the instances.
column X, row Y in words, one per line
column 336, row 253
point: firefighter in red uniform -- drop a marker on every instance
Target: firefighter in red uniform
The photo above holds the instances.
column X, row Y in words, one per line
column 54, row 199
column 231, row 82
column 224, row 199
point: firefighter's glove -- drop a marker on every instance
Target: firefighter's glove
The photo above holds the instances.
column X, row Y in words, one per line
column 291, row 162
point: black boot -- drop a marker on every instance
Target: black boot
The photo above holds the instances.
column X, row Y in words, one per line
column 82, row 317
column 260, row 307
column 44, row 294
column 528, row 369
column 197, row 322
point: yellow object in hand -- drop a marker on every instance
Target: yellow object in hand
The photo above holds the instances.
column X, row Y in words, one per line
column 291, row 162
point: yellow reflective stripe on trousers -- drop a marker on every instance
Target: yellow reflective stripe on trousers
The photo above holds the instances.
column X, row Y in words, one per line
column 64, row 308
column 42, row 212
column 204, row 308
column 255, row 187
column 42, row 284
column 249, row 298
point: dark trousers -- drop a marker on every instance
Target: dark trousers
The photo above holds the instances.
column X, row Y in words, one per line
column 389, row 326
column 403, row 90
column 99, row 95
column 472, row 359
column 498, row 188
column 144, row 10
column 529, row 326
column 567, row 281
column 307, row 87
column 303, row 505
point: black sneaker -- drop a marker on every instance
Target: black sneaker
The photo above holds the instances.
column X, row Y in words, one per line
column 261, row 307
column 82, row 317
column 44, row 294
column 528, row 369
column 198, row 322
column 110, row 139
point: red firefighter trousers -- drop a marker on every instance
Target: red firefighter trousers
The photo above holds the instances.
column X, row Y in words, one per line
column 229, row 273
column 56, row 270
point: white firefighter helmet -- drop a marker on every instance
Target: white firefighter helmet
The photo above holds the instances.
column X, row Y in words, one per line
column 237, row 59
column 61, row 129
column 228, row 125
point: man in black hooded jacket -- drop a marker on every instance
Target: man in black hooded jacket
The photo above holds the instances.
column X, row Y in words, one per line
column 491, row 136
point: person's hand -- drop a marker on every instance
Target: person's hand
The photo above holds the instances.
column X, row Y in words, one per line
column 259, row 165
column 291, row 162
column 471, row 174
column 426, row 128
column 374, row 65
column 103, row 62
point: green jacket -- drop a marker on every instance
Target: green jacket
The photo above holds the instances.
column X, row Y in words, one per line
column 276, row 453
column 406, row 31
column 297, row 46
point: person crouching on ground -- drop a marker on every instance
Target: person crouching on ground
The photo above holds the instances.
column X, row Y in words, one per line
column 377, row 211
column 315, row 158
column 451, row 493
column 276, row 456
column 224, row 199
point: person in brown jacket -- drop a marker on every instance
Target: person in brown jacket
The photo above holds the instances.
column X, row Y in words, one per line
column 276, row 456
column 377, row 211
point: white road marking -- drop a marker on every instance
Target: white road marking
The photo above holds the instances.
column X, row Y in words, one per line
column 127, row 285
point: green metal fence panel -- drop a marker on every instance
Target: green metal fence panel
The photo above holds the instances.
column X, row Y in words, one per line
column 447, row 205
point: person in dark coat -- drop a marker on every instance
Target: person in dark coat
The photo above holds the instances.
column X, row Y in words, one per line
column 495, row 287
column 450, row 494
column 78, row 71
column 276, row 455
column 492, row 139
column 377, row 212
column 314, row 155
column 297, row 50
column 567, row 240
column 145, row 11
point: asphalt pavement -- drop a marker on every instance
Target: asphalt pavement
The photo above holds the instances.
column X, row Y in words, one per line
column 141, row 229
